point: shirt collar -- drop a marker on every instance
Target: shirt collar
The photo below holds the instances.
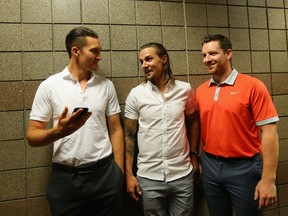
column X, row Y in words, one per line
column 67, row 75
column 153, row 87
column 230, row 80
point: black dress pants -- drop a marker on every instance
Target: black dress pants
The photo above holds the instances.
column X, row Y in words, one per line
column 93, row 191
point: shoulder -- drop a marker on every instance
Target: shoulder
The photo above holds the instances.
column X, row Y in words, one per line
column 249, row 80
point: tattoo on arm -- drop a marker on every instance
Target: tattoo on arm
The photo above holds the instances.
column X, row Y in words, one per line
column 130, row 135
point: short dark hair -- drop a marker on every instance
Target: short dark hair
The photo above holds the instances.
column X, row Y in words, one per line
column 76, row 37
column 224, row 41
column 161, row 51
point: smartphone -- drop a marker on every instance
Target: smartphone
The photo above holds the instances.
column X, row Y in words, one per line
column 85, row 110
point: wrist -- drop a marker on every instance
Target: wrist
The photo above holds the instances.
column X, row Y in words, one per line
column 194, row 154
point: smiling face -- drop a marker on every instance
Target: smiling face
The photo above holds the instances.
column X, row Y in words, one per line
column 152, row 65
column 89, row 55
column 216, row 60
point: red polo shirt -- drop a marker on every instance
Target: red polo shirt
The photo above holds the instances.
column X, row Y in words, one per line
column 230, row 113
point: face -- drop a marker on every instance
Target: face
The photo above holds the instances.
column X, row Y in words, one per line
column 152, row 65
column 215, row 59
column 89, row 55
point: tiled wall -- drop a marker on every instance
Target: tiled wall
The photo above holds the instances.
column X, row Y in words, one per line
column 32, row 48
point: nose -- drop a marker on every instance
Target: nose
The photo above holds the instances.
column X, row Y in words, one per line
column 206, row 58
column 99, row 57
column 144, row 64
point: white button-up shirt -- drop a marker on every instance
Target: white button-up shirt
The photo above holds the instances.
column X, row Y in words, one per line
column 91, row 142
column 162, row 136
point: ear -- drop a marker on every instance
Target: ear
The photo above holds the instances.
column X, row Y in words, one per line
column 164, row 59
column 229, row 53
column 74, row 51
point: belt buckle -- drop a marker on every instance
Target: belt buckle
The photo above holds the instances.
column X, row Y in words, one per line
column 85, row 171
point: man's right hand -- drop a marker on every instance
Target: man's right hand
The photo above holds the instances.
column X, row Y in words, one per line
column 133, row 187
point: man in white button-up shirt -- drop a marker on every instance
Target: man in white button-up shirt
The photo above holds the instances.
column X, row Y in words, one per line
column 160, row 112
column 88, row 150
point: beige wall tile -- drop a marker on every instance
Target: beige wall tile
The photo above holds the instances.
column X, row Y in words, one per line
column 15, row 207
column 38, row 206
column 282, row 128
column 257, row 17
column 37, row 37
column 238, row 59
column 221, row 21
column 10, row 37
column 196, row 15
column 195, row 63
column 103, row 32
column 30, row 88
column 256, row 2
column 223, row 31
column 12, row 185
column 282, row 173
column 238, row 17
column 95, row 11
column 174, row 38
column 37, row 65
column 12, row 154
column 60, row 61
column 236, row 2
column 240, row 39
column 10, row 11
column 283, row 150
column 37, row 180
column 283, row 211
column 11, row 96
column 66, row 11
column 123, row 37
column 194, row 37
column 216, row 1
column 279, row 61
column 10, row 66
column 59, row 35
column 283, row 195
column 12, row 125
column 178, row 61
column 260, row 62
column 281, row 103
column 279, row 83
column 172, row 13
column 36, row 11
column 123, row 87
column 144, row 15
column 124, row 64
column 147, row 34
column 275, row 3
column 38, row 156
column 105, row 65
column 122, row 12
column 259, row 39
column 276, row 18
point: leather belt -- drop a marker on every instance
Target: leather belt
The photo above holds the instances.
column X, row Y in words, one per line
column 229, row 159
column 84, row 168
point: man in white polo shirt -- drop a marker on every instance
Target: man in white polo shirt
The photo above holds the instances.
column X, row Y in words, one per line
column 88, row 148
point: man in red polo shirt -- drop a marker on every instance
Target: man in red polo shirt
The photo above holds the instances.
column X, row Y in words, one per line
column 239, row 135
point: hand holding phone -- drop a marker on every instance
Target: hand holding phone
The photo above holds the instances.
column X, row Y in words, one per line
column 85, row 110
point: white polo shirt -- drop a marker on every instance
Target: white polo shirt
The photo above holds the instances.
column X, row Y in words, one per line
column 162, row 137
column 91, row 142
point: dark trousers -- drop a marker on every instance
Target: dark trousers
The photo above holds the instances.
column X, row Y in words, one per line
column 231, row 183
column 95, row 191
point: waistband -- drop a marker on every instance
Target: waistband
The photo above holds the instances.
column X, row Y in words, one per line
column 85, row 168
column 230, row 159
